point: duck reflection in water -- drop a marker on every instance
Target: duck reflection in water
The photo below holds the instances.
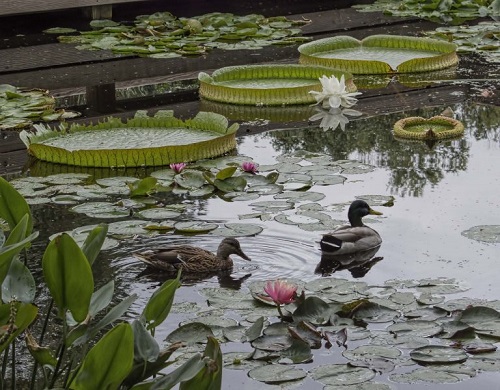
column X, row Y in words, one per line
column 196, row 263
column 358, row 264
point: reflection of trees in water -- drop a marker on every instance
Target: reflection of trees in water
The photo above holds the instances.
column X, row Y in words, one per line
column 413, row 165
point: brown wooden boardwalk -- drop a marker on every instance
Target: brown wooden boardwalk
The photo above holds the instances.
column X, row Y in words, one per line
column 64, row 70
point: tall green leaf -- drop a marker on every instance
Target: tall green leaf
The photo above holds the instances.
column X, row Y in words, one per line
column 146, row 348
column 101, row 298
column 160, row 303
column 13, row 206
column 108, row 363
column 93, row 243
column 68, row 276
column 19, row 284
column 7, row 253
column 210, row 376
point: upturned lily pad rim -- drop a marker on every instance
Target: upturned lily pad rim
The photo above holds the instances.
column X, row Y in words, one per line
column 439, row 127
column 446, row 55
column 223, row 142
column 212, row 89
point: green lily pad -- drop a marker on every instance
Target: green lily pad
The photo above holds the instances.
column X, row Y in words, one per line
column 372, row 312
column 158, row 214
column 268, row 342
column 191, row 333
column 298, row 352
column 127, row 228
column 371, row 351
column 276, row 373
column 438, row 354
column 272, row 205
column 190, row 179
column 484, row 233
column 416, row 328
column 341, row 374
column 425, row 375
column 240, row 361
column 301, row 196
column 101, row 210
column 238, row 230
column 195, row 227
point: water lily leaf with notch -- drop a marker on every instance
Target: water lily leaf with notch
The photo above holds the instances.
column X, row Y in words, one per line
column 341, row 374
column 240, row 196
column 298, row 352
column 437, row 354
column 190, row 333
column 158, row 213
column 101, row 210
column 272, row 205
column 226, row 173
column 255, row 331
column 416, row 328
column 195, row 227
column 214, row 321
column 129, row 228
column 190, row 179
column 204, row 190
column 164, row 174
column 480, row 317
column 271, row 342
column 328, row 180
column 240, row 361
column 373, row 312
column 266, row 189
column 59, row 30
column 238, row 230
column 371, row 352
column 424, row 375
column 307, row 333
column 235, row 183
column 119, row 181
column 142, row 187
column 301, row 196
column 276, row 373
column 441, row 286
column 313, row 310
column 453, row 329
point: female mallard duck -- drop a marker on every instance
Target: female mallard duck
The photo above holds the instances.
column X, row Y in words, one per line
column 354, row 238
column 192, row 259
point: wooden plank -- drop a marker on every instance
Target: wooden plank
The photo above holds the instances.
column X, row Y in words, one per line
column 16, row 7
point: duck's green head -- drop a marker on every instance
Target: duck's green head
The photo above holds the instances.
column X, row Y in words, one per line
column 359, row 209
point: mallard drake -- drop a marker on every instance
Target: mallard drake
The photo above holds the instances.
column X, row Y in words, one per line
column 192, row 259
column 355, row 237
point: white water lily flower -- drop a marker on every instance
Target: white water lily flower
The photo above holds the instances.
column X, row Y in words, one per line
column 334, row 93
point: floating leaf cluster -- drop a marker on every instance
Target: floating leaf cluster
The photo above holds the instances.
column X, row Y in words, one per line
column 19, row 108
column 483, row 38
column 450, row 12
column 368, row 331
column 162, row 35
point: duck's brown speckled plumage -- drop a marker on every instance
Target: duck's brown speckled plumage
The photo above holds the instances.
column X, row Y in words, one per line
column 354, row 237
column 192, row 259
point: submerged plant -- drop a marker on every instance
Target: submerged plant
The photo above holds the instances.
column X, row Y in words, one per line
column 334, row 93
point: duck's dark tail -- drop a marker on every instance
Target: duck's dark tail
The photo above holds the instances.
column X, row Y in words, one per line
column 330, row 243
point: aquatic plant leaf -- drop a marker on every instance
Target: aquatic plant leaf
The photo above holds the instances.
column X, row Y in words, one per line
column 373, row 312
column 301, row 196
column 190, row 179
column 109, row 362
column 341, row 374
column 307, row 333
column 236, row 183
column 416, row 328
column 238, row 230
column 94, row 242
column 101, row 210
column 483, row 233
column 198, row 227
column 210, row 376
column 18, row 284
column 190, row 333
column 160, row 303
column 298, row 352
column 276, row 373
column 42, row 355
column 362, row 386
column 424, row 375
column 313, row 310
column 66, row 270
column 101, row 298
column 59, row 30
column 240, row 361
column 379, row 54
column 438, row 354
column 13, row 206
column 146, row 349
column 456, row 329
column 140, row 141
column 142, row 187
column 272, row 205
column 226, row 173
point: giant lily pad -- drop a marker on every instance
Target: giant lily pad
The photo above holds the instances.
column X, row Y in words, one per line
column 437, row 127
column 273, row 85
column 379, row 54
column 141, row 141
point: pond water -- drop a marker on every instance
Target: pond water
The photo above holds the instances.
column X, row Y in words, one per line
column 439, row 191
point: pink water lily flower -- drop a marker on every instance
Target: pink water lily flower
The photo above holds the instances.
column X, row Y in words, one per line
column 250, row 167
column 178, row 167
column 281, row 292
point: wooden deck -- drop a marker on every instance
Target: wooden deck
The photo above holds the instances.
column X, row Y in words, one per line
column 65, row 71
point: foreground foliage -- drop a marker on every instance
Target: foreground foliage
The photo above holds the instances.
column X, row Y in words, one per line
column 125, row 356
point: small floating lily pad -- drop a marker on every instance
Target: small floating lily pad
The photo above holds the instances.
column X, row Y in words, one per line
column 195, row 227
column 484, row 233
column 140, row 141
column 276, row 373
column 238, row 230
column 437, row 127
column 341, row 374
column 438, row 354
column 272, row 85
column 379, row 54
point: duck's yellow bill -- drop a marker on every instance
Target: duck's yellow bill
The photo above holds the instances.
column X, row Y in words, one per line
column 373, row 212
